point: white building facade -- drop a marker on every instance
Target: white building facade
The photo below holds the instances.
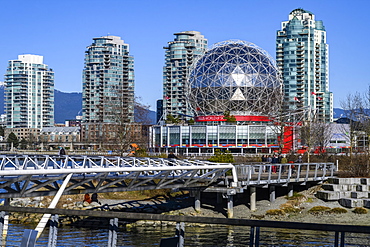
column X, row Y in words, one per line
column 180, row 55
column 29, row 93
column 302, row 56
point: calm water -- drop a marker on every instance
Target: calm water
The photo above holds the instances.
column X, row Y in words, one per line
column 229, row 236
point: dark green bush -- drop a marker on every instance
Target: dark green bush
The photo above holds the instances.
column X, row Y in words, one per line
column 222, row 157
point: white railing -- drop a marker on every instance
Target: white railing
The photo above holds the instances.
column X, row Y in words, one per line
column 30, row 174
column 266, row 173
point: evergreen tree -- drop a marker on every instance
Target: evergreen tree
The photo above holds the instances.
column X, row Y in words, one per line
column 171, row 119
column 12, row 138
column 23, row 144
column 229, row 118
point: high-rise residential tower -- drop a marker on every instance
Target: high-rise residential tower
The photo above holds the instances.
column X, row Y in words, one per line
column 303, row 60
column 29, row 93
column 108, row 81
column 180, row 55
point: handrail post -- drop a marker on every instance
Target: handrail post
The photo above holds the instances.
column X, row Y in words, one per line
column 324, row 171
column 342, row 239
column 336, row 239
column 251, row 237
column 257, row 238
column 298, row 171
column 316, row 169
column 307, row 171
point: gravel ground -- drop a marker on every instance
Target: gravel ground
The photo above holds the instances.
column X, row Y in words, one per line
column 184, row 205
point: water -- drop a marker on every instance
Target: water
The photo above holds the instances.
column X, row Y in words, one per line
column 217, row 236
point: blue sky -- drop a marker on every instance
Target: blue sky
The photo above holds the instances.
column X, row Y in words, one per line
column 61, row 30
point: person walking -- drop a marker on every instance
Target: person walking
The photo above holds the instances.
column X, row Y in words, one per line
column 283, row 161
column 274, row 161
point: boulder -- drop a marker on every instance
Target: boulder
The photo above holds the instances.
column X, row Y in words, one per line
column 351, row 202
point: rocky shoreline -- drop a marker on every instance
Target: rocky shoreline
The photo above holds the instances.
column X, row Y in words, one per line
column 299, row 210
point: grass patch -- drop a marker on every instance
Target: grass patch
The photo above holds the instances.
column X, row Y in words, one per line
column 338, row 210
column 295, row 196
column 360, row 210
column 275, row 212
column 289, row 209
column 309, row 200
column 319, row 209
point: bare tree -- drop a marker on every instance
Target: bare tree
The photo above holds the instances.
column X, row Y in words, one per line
column 323, row 134
column 356, row 107
column 142, row 112
column 352, row 107
column 125, row 129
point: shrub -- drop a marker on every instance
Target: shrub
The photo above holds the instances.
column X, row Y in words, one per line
column 360, row 210
column 290, row 209
column 222, row 157
column 275, row 212
column 319, row 209
column 295, row 196
column 338, row 210
column 309, row 200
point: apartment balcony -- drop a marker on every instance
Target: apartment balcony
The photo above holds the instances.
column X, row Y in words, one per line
column 281, row 34
column 300, row 92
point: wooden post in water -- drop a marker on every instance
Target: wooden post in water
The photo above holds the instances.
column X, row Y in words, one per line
column 2, row 216
column 5, row 219
column 113, row 227
column 180, row 233
column 53, row 232
column 29, row 238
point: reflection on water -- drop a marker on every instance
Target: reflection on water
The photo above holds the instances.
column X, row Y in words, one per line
column 216, row 236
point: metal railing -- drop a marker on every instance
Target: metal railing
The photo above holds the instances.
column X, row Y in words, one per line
column 266, row 173
column 36, row 175
column 255, row 225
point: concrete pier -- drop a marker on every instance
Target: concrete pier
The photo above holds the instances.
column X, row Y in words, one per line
column 272, row 193
column 290, row 190
column 197, row 202
column 253, row 196
column 230, row 206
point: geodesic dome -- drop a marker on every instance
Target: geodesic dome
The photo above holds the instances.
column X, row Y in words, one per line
column 234, row 76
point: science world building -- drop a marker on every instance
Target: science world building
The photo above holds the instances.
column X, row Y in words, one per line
column 234, row 91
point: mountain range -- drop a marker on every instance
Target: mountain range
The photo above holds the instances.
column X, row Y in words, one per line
column 66, row 106
column 69, row 105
